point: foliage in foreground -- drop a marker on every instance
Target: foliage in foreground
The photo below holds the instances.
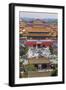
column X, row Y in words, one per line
column 55, row 72
column 30, row 67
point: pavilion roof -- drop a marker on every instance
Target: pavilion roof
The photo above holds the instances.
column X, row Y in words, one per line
column 42, row 60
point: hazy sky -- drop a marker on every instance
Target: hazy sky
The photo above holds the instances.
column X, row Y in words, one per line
column 39, row 15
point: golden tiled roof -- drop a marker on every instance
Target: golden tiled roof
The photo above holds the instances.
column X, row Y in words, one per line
column 52, row 29
column 49, row 31
column 42, row 60
column 37, row 29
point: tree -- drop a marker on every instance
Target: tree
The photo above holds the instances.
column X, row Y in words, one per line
column 30, row 67
column 55, row 72
column 51, row 49
column 23, row 50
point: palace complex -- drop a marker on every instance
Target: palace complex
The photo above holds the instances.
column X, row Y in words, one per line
column 39, row 37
